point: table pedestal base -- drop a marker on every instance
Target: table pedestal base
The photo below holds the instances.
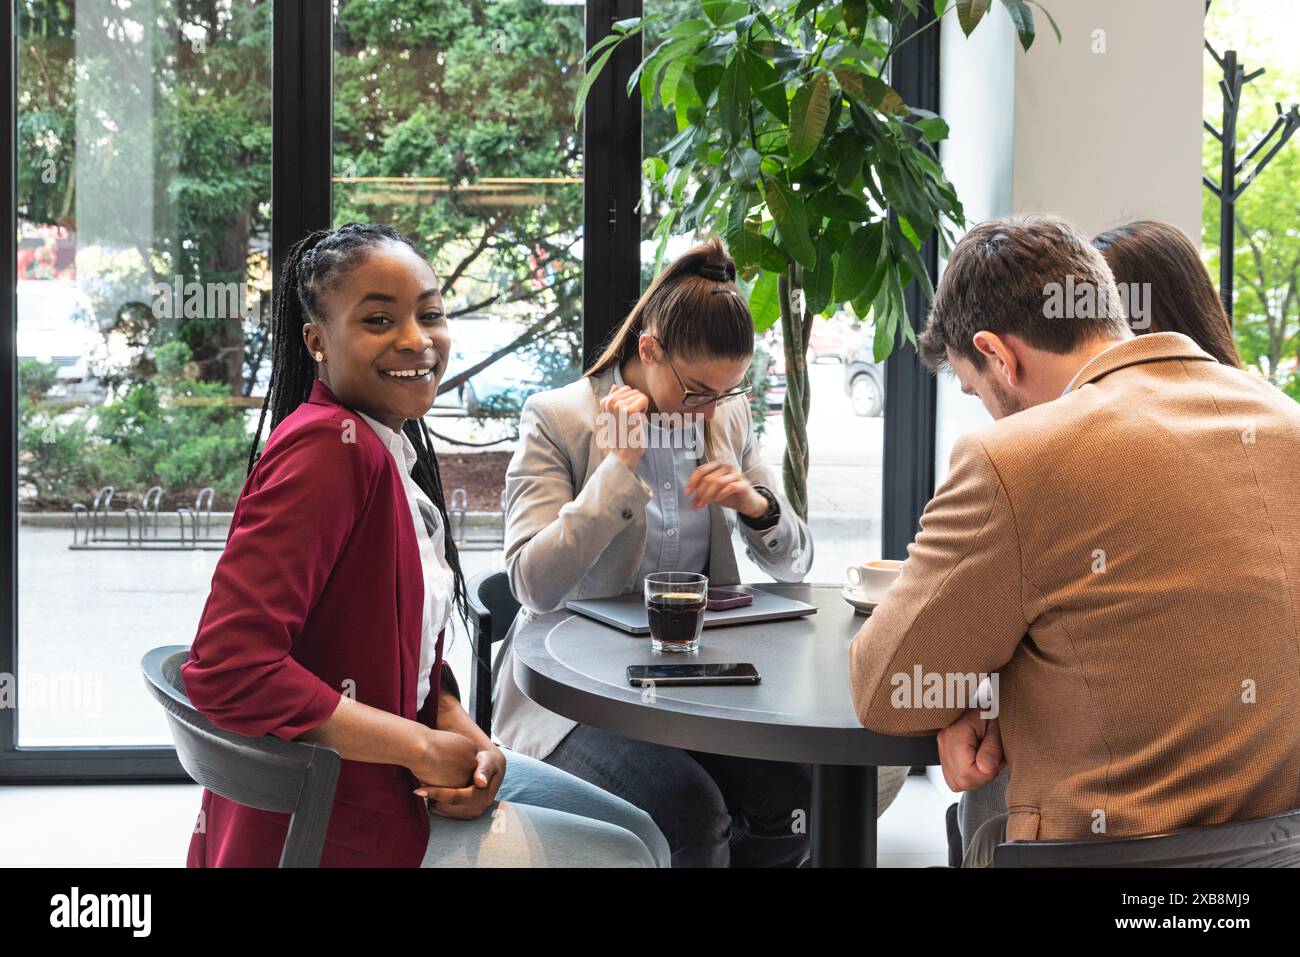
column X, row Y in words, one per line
column 842, row 829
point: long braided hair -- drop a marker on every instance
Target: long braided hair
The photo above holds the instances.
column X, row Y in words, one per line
column 314, row 264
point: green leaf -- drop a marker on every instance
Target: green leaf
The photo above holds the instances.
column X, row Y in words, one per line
column 933, row 128
column 722, row 12
column 856, row 15
column 970, row 13
column 743, row 240
column 858, row 262
column 1050, row 19
column 809, row 111
column 668, row 85
column 916, row 266
column 883, row 342
column 819, row 283
column 763, row 303
column 899, row 308
column 847, row 151
column 837, row 205
column 585, row 87
column 687, row 28
column 767, row 87
column 733, row 97
column 882, row 96
column 684, row 98
column 787, row 209
column 744, row 167
column 1023, row 18
column 662, row 233
column 773, row 257
column 862, row 305
column 653, row 168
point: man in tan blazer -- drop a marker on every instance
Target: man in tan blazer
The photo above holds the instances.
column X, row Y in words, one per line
column 1117, row 557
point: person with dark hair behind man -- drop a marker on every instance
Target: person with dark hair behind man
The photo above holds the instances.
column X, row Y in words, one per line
column 1156, row 258
column 1117, row 556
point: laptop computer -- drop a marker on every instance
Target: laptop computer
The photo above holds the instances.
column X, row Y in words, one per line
column 627, row 612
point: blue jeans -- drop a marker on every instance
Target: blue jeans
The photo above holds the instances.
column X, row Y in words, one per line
column 715, row 810
column 545, row 818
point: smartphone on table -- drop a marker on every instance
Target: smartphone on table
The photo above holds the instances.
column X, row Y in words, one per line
column 733, row 673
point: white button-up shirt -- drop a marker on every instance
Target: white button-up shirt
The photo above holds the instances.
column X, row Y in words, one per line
column 439, row 581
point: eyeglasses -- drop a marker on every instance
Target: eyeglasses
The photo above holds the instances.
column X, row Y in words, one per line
column 692, row 399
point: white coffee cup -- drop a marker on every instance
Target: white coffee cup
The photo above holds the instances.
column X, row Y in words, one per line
column 872, row 579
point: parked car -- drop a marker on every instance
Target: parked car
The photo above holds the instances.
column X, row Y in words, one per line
column 832, row 339
column 56, row 324
column 507, row 381
column 864, row 380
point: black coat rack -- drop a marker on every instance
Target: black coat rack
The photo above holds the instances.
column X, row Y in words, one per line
column 1229, row 187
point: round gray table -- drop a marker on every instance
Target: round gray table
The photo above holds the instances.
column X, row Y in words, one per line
column 801, row 711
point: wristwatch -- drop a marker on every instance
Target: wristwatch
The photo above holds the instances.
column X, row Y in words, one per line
column 769, row 518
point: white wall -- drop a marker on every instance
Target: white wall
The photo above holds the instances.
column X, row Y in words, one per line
column 1101, row 128
column 1104, row 138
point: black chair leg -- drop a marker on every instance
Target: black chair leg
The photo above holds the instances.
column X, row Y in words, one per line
column 954, row 838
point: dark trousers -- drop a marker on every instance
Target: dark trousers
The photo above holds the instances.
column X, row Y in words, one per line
column 715, row 811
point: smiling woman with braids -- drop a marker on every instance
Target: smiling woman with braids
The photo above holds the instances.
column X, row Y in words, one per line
column 327, row 612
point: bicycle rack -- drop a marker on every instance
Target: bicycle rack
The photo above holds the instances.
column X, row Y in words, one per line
column 99, row 510
column 457, row 515
column 80, row 521
column 132, row 513
column 203, row 506
column 152, row 499
column 143, row 524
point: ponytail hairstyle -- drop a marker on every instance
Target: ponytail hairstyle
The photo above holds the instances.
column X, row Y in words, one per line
column 1182, row 297
column 693, row 307
column 314, row 264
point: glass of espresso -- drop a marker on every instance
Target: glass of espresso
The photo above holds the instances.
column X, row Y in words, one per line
column 674, row 603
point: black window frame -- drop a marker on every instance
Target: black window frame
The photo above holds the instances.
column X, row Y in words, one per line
column 302, row 132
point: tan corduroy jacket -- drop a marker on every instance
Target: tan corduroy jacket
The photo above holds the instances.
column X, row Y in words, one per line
column 1127, row 560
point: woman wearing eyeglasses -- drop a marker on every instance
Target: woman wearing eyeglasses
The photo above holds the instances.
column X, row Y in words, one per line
column 649, row 463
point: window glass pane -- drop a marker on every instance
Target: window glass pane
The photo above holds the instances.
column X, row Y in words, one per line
column 846, row 419
column 144, row 134
column 453, row 123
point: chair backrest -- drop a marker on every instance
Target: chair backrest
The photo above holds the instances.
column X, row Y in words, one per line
column 267, row 773
column 492, row 610
column 1266, row 842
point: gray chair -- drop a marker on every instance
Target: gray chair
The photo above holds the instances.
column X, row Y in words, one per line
column 1266, row 842
column 492, row 610
column 268, row 773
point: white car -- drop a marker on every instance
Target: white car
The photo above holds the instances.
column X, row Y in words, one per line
column 56, row 324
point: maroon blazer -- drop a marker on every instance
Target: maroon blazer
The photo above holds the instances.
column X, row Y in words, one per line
column 319, row 591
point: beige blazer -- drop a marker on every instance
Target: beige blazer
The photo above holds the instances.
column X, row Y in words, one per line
column 1127, row 559
column 575, row 527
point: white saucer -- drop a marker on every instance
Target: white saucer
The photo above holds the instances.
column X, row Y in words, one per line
column 861, row 604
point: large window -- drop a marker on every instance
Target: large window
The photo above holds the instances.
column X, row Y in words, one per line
column 145, row 156
column 143, row 205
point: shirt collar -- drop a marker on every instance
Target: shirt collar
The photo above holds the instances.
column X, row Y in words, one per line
column 397, row 443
